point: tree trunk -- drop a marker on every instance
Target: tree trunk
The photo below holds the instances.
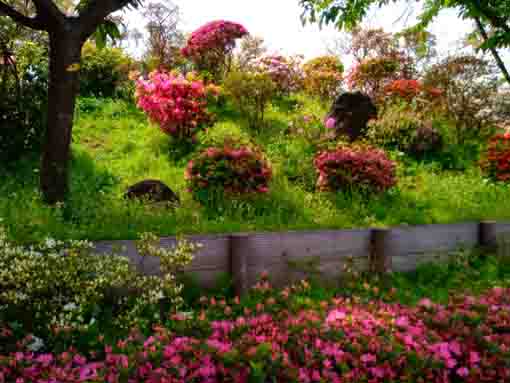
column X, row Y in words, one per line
column 65, row 53
column 493, row 50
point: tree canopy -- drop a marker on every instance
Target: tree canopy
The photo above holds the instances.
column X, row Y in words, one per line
column 346, row 14
column 491, row 17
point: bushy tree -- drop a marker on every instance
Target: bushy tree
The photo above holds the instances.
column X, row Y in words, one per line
column 372, row 75
column 323, row 76
column 251, row 92
column 250, row 50
column 165, row 39
column 469, row 87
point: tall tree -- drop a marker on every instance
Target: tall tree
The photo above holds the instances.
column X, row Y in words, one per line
column 492, row 17
column 67, row 32
column 165, row 39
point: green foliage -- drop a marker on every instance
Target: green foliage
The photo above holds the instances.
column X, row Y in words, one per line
column 251, row 93
column 59, row 285
column 401, row 126
column 23, row 104
column 104, row 72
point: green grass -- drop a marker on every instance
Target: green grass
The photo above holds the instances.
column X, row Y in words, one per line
column 114, row 146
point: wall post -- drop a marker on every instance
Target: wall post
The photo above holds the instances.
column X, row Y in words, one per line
column 488, row 235
column 239, row 263
column 380, row 257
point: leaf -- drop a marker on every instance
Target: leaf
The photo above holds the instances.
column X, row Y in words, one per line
column 109, row 29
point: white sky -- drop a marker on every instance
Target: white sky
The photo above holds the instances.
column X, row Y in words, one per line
column 278, row 22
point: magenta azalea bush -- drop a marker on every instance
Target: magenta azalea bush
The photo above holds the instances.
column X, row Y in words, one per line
column 210, row 45
column 340, row 340
column 232, row 170
column 177, row 104
column 358, row 167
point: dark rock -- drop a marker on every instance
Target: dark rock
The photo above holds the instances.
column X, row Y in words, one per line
column 153, row 191
column 352, row 111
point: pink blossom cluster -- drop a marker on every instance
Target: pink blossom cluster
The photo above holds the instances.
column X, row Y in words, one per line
column 340, row 340
column 235, row 170
column 209, row 44
column 361, row 167
column 286, row 72
column 176, row 103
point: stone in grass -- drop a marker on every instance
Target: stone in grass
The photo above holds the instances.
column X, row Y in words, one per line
column 153, row 191
column 352, row 111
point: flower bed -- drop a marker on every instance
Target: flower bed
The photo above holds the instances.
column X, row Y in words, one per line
column 340, row 340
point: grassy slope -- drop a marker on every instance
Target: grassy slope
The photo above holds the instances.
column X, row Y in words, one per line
column 114, row 147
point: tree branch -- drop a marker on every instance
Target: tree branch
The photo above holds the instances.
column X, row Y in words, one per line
column 493, row 50
column 30, row 22
column 493, row 18
column 96, row 11
column 48, row 11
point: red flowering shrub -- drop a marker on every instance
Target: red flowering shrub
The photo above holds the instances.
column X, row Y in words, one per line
column 360, row 167
column 176, row 103
column 410, row 89
column 211, row 44
column 340, row 340
column 497, row 161
column 323, row 76
column 231, row 170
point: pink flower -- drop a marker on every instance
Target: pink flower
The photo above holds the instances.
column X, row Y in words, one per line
column 402, row 322
column 335, row 315
column 463, row 372
column 368, row 358
column 474, row 357
column 425, row 302
column 330, row 123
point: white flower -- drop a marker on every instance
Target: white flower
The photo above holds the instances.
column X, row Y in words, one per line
column 50, row 243
column 36, row 345
column 70, row 307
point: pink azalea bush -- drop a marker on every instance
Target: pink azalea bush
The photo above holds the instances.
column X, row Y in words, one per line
column 359, row 167
column 339, row 340
column 178, row 104
column 285, row 72
column 233, row 169
column 210, row 45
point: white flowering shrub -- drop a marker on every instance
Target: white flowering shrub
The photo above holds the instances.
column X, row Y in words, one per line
column 60, row 285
